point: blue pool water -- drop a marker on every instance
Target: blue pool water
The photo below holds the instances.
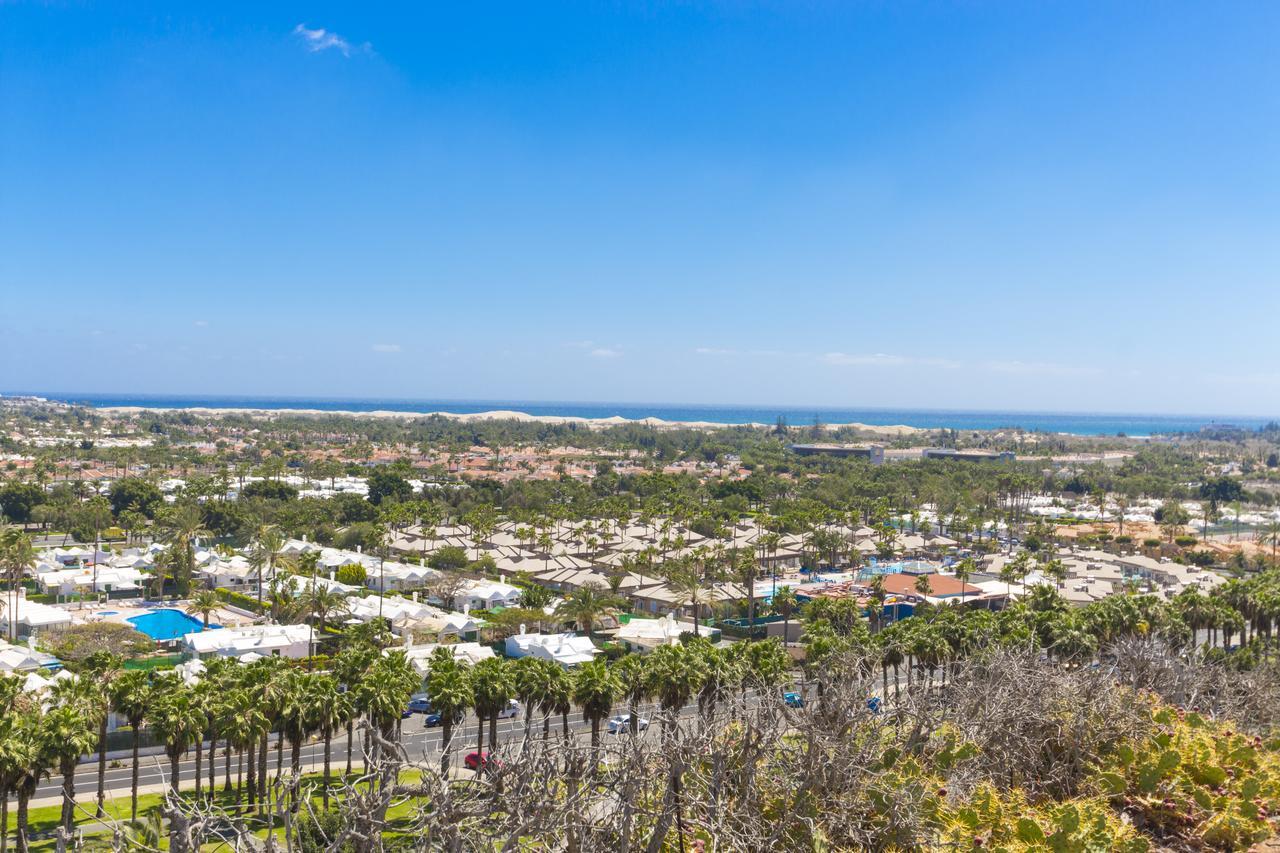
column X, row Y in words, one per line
column 167, row 624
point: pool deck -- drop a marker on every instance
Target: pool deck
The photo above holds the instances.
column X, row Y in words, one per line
column 122, row 611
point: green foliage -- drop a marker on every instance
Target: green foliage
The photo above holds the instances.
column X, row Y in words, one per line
column 137, row 494
column 352, row 574
column 448, row 558
column 272, row 490
column 77, row 643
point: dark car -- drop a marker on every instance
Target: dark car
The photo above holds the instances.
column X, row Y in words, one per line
column 435, row 718
column 793, row 699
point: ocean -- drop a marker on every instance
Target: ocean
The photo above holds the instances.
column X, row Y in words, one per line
column 1069, row 422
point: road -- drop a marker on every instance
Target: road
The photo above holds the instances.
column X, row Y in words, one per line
column 418, row 741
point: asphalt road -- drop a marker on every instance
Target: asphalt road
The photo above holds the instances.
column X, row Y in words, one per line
column 418, row 741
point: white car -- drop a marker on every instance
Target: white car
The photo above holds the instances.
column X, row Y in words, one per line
column 622, row 723
column 511, row 712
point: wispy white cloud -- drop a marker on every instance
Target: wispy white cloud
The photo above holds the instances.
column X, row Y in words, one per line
column 880, row 359
column 320, row 39
column 200, row 324
column 605, row 352
column 715, row 351
column 386, row 348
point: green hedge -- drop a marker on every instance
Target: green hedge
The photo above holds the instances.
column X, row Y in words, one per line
column 239, row 599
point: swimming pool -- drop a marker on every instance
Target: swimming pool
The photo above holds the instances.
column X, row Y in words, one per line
column 167, row 624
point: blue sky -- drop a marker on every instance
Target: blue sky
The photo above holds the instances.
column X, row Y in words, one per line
column 1052, row 205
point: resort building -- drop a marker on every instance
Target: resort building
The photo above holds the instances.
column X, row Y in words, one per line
column 251, row 642
column 565, row 649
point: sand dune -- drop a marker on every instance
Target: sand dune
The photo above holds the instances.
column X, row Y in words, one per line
column 497, row 415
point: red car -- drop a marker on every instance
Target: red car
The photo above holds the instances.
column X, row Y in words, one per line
column 480, row 760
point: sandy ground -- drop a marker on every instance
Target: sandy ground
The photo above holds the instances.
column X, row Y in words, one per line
column 497, row 415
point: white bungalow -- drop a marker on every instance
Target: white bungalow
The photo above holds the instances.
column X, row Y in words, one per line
column 565, row 649
column 251, row 642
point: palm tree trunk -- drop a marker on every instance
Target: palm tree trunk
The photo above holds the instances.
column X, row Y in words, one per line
column 213, row 761
column 133, row 794
column 68, row 795
column 493, row 732
column 199, row 762
column 328, row 743
column 350, row 742
column 240, row 777
column 173, row 772
column 280, row 754
column 24, row 797
column 226, row 766
column 295, row 767
column 253, row 777
column 4, row 820
column 102, row 764
column 446, row 743
column 262, row 770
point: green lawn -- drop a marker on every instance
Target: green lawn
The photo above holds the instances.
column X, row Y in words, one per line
column 44, row 821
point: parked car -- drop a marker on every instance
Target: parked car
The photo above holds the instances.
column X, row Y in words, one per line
column 793, row 699
column 421, row 705
column 435, row 718
column 873, row 704
column 511, row 711
column 481, row 761
column 622, row 723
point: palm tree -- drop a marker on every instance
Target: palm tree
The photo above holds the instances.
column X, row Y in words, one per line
column 332, row 710
column 245, row 727
column 322, row 602
column 203, row 603
column 18, row 748
column 491, row 689
column 131, row 696
column 528, row 677
column 263, row 554
column 68, row 735
column 298, row 713
column 586, row 604
column 786, row 603
column 631, row 671
column 16, row 556
column 180, row 528
column 102, row 668
column 34, row 745
column 349, row 667
column 450, row 692
column 556, row 698
column 687, row 583
column 595, row 686
column 177, row 720
column 675, row 675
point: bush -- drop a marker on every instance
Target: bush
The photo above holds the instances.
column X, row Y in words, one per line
column 77, row 643
column 448, row 557
column 137, row 494
column 239, row 599
column 1185, row 541
column 272, row 490
column 353, row 574
column 1151, row 543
